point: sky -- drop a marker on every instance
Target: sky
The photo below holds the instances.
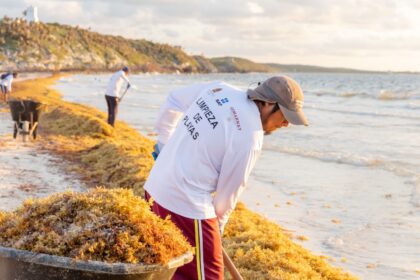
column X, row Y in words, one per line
column 362, row 34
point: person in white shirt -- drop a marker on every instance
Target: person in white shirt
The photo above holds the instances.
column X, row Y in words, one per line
column 6, row 84
column 209, row 138
column 113, row 92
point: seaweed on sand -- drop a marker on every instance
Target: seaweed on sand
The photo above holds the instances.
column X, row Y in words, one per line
column 121, row 158
column 102, row 225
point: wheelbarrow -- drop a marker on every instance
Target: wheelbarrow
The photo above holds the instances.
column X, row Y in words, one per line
column 25, row 114
column 23, row 265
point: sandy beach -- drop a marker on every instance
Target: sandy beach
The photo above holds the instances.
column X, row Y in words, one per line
column 75, row 137
column 344, row 177
column 28, row 172
column 330, row 192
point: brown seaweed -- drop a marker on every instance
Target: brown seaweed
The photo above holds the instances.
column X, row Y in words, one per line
column 102, row 225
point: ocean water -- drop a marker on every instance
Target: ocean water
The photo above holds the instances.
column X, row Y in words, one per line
column 349, row 183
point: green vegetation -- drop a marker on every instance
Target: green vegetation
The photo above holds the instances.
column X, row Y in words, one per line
column 54, row 47
column 241, row 65
column 51, row 46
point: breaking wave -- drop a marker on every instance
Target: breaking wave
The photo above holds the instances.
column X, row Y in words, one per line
column 401, row 169
column 334, row 157
column 384, row 95
column 390, row 95
column 373, row 114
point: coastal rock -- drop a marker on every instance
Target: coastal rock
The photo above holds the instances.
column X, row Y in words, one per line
column 53, row 47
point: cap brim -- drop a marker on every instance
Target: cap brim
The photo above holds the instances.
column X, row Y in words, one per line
column 255, row 94
column 296, row 118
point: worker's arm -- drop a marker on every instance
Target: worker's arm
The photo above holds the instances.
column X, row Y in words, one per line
column 125, row 78
column 236, row 168
column 172, row 110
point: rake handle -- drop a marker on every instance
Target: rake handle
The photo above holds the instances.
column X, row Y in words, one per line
column 231, row 266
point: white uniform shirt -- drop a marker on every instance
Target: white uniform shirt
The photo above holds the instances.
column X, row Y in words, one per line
column 7, row 82
column 115, row 83
column 208, row 156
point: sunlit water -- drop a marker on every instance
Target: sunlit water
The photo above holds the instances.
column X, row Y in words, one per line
column 350, row 182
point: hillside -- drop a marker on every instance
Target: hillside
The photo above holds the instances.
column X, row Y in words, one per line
column 239, row 65
column 53, row 47
column 308, row 68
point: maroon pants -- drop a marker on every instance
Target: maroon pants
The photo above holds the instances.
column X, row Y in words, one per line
column 205, row 237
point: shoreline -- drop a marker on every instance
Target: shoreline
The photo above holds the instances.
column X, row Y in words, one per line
column 27, row 173
column 88, row 138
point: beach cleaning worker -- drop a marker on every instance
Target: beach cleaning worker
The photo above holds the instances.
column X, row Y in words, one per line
column 113, row 92
column 6, row 80
column 209, row 137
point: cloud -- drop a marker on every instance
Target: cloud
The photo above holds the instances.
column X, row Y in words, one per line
column 255, row 8
column 322, row 31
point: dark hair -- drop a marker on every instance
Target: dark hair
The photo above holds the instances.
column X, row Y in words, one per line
column 15, row 74
column 125, row 69
column 275, row 108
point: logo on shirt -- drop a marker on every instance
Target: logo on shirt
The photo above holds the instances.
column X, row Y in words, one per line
column 213, row 91
column 222, row 101
column 235, row 116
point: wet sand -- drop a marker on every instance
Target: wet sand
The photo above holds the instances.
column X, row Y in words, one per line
column 26, row 171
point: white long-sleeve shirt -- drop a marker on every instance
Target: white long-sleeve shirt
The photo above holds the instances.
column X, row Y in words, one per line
column 7, row 82
column 213, row 137
column 115, row 83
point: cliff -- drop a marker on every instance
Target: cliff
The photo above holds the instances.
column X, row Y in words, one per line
column 54, row 47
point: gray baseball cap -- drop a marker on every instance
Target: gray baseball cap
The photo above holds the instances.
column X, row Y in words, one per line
column 284, row 91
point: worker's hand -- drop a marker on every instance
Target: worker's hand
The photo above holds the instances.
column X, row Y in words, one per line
column 158, row 148
column 156, row 152
column 221, row 228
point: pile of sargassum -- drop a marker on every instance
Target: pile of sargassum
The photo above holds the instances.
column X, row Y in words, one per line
column 102, row 225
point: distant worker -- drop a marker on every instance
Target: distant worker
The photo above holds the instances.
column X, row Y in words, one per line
column 6, row 84
column 210, row 136
column 113, row 92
